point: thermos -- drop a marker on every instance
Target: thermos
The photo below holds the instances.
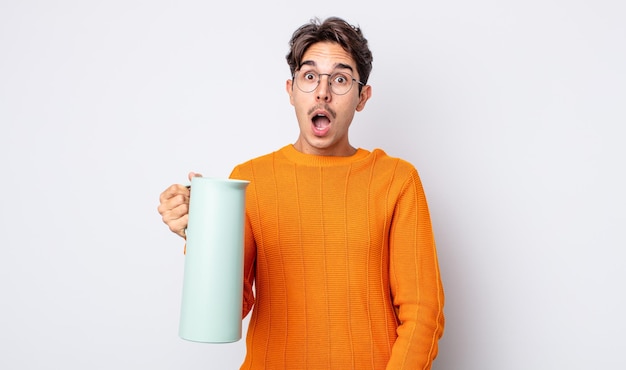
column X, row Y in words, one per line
column 213, row 274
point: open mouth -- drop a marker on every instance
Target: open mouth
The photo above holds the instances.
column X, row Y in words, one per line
column 321, row 122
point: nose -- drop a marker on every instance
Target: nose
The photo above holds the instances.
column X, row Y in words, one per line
column 323, row 89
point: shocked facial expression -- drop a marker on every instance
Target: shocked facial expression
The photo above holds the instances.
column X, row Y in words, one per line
column 324, row 116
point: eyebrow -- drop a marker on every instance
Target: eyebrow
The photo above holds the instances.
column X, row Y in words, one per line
column 337, row 65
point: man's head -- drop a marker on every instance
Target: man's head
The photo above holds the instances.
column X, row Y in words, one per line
column 330, row 64
column 335, row 30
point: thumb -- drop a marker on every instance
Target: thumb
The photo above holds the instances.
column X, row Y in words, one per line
column 193, row 174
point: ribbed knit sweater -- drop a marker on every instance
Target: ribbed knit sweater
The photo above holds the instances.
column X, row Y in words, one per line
column 342, row 257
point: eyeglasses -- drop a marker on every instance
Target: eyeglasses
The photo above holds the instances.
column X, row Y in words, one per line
column 340, row 83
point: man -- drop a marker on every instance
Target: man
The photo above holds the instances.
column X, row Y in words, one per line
column 338, row 239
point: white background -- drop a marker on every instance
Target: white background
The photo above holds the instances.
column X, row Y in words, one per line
column 514, row 113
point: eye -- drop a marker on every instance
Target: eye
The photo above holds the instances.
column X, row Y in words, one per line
column 309, row 76
column 341, row 79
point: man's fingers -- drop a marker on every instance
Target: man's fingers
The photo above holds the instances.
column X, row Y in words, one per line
column 172, row 191
column 179, row 226
column 174, row 207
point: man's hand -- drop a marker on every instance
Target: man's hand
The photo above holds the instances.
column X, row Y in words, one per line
column 174, row 206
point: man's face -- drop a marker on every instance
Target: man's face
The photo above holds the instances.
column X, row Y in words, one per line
column 323, row 116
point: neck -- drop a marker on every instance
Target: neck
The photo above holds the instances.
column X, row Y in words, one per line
column 346, row 151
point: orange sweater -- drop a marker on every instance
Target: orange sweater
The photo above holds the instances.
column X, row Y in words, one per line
column 342, row 257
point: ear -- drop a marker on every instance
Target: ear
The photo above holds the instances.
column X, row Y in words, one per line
column 366, row 94
column 289, row 88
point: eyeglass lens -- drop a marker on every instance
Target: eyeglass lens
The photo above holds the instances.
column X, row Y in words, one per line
column 340, row 82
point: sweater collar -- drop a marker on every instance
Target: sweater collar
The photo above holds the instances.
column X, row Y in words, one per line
column 292, row 154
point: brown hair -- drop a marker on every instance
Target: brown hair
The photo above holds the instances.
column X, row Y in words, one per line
column 336, row 30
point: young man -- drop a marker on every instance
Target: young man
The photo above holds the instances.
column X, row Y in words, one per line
column 338, row 239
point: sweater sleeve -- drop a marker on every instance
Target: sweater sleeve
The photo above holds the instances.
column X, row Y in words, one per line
column 416, row 287
column 249, row 270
